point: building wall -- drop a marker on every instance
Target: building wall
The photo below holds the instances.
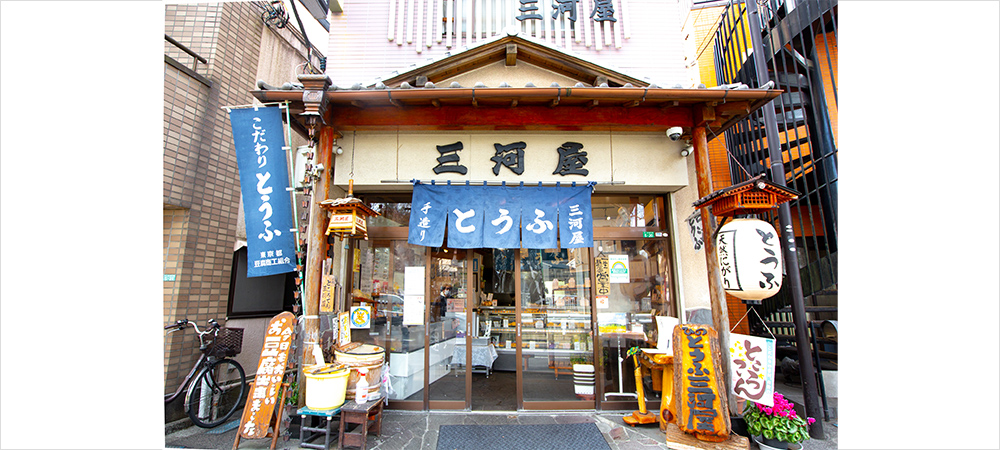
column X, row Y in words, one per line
column 201, row 189
column 646, row 162
column 360, row 50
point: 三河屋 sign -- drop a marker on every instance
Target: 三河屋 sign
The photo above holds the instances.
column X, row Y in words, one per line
column 259, row 142
column 501, row 216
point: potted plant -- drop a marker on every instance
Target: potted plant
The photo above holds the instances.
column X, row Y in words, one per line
column 583, row 377
column 778, row 426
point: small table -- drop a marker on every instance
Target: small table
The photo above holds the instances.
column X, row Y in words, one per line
column 483, row 355
column 369, row 418
column 310, row 431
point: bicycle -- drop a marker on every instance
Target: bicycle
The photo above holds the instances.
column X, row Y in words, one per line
column 220, row 385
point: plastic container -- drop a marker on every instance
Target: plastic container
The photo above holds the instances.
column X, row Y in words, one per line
column 362, row 387
column 326, row 386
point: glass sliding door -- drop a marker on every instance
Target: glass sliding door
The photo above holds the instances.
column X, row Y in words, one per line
column 555, row 349
column 626, row 316
column 382, row 273
column 446, row 324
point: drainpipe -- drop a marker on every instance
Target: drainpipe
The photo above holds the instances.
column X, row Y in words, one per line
column 806, row 370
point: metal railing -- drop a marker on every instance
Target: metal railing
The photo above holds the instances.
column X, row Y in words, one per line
column 798, row 41
column 190, row 71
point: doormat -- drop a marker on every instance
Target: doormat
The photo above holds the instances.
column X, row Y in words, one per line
column 577, row 436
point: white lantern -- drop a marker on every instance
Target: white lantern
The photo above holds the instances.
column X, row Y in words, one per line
column 749, row 259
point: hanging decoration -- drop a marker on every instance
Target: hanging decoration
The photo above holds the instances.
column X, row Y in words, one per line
column 749, row 259
column 348, row 216
column 481, row 216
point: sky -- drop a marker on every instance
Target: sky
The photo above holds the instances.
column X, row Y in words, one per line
column 81, row 187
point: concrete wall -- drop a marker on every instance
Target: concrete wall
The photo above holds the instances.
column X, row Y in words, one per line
column 692, row 266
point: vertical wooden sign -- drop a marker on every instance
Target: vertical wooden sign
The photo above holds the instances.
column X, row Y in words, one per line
column 700, row 396
column 326, row 295
column 267, row 385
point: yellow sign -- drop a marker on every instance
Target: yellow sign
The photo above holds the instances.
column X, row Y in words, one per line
column 361, row 317
column 603, row 275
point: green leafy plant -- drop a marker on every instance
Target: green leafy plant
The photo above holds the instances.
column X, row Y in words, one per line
column 777, row 422
column 292, row 398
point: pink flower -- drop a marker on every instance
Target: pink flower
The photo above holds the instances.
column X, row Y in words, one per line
column 810, row 420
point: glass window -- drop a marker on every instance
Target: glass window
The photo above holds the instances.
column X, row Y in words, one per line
column 628, row 320
column 620, row 211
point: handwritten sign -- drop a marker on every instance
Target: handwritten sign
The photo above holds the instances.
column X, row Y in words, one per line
column 603, row 276
column 751, row 368
column 326, row 295
column 270, row 370
column 344, row 326
column 700, row 395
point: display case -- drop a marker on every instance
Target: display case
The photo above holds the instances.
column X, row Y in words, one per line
column 550, row 338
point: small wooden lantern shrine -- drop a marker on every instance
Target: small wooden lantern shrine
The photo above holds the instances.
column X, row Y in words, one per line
column 348, row 216
column 756, row 195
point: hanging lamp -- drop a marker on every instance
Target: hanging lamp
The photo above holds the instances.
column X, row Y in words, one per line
column 348, row 215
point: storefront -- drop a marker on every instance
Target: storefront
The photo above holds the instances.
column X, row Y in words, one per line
column 491, row 324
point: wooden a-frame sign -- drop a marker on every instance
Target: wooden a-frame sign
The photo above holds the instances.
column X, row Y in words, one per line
column 260, row 418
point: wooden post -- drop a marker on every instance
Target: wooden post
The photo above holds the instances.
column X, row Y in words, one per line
column 316, row 239
column 720, row 312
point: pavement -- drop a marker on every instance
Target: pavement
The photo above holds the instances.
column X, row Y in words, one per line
column 413, row 430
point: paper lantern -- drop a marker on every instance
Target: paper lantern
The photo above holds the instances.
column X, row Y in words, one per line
column 749, row 259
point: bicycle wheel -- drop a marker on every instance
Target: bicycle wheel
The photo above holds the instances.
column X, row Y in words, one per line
column 216, row 393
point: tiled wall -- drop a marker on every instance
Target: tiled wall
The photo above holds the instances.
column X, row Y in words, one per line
column 200, row 177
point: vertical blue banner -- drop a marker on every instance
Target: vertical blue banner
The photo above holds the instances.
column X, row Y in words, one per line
column 539, row 217
column 576, row 220
column 502, row 221
column 259, row 140
column 465, row 216
column 427, row 216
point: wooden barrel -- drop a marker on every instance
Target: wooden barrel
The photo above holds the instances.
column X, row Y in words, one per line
column 362, row 356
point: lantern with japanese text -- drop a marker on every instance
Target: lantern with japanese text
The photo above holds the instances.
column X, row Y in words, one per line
column 749, row 259
column 348, row 216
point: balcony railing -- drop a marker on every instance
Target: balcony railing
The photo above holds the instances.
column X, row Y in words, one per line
column 190, row 71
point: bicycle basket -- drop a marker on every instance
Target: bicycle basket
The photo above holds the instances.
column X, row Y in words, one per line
column 228, row 343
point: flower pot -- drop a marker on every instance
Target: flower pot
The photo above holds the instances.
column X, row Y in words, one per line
column 774, row 444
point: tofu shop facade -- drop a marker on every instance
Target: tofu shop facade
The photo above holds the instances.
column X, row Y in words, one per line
column 527, row 237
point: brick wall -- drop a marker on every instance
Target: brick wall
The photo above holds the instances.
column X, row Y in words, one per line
column 200, row 176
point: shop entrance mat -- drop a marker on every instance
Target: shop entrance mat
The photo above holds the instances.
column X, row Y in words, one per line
column 577, row 436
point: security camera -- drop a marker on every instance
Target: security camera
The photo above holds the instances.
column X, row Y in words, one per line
column 687, row 150
column 338, row 150
column 674, row 133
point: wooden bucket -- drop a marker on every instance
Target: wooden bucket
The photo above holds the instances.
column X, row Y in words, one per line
column 362, row 356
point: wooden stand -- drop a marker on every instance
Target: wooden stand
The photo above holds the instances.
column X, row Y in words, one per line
column 309, row 431
column 678, row 440
column 368, row 416
column 275, row 423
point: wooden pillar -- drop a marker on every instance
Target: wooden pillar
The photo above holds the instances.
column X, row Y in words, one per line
column 314, row 104
column 317, row 241
column 720, row 312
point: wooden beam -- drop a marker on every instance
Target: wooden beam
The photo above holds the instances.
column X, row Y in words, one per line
column 511, row 59
column 702, row 115
column 717, row 296
column 522, row 117
column 316, row 238
column 733, row 108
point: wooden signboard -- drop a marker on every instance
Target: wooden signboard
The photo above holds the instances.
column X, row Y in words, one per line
column 263, row 398
column 700, row 399
column 326, row 295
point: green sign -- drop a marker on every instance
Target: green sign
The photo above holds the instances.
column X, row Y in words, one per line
column 647, row 234
column 169, row 277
